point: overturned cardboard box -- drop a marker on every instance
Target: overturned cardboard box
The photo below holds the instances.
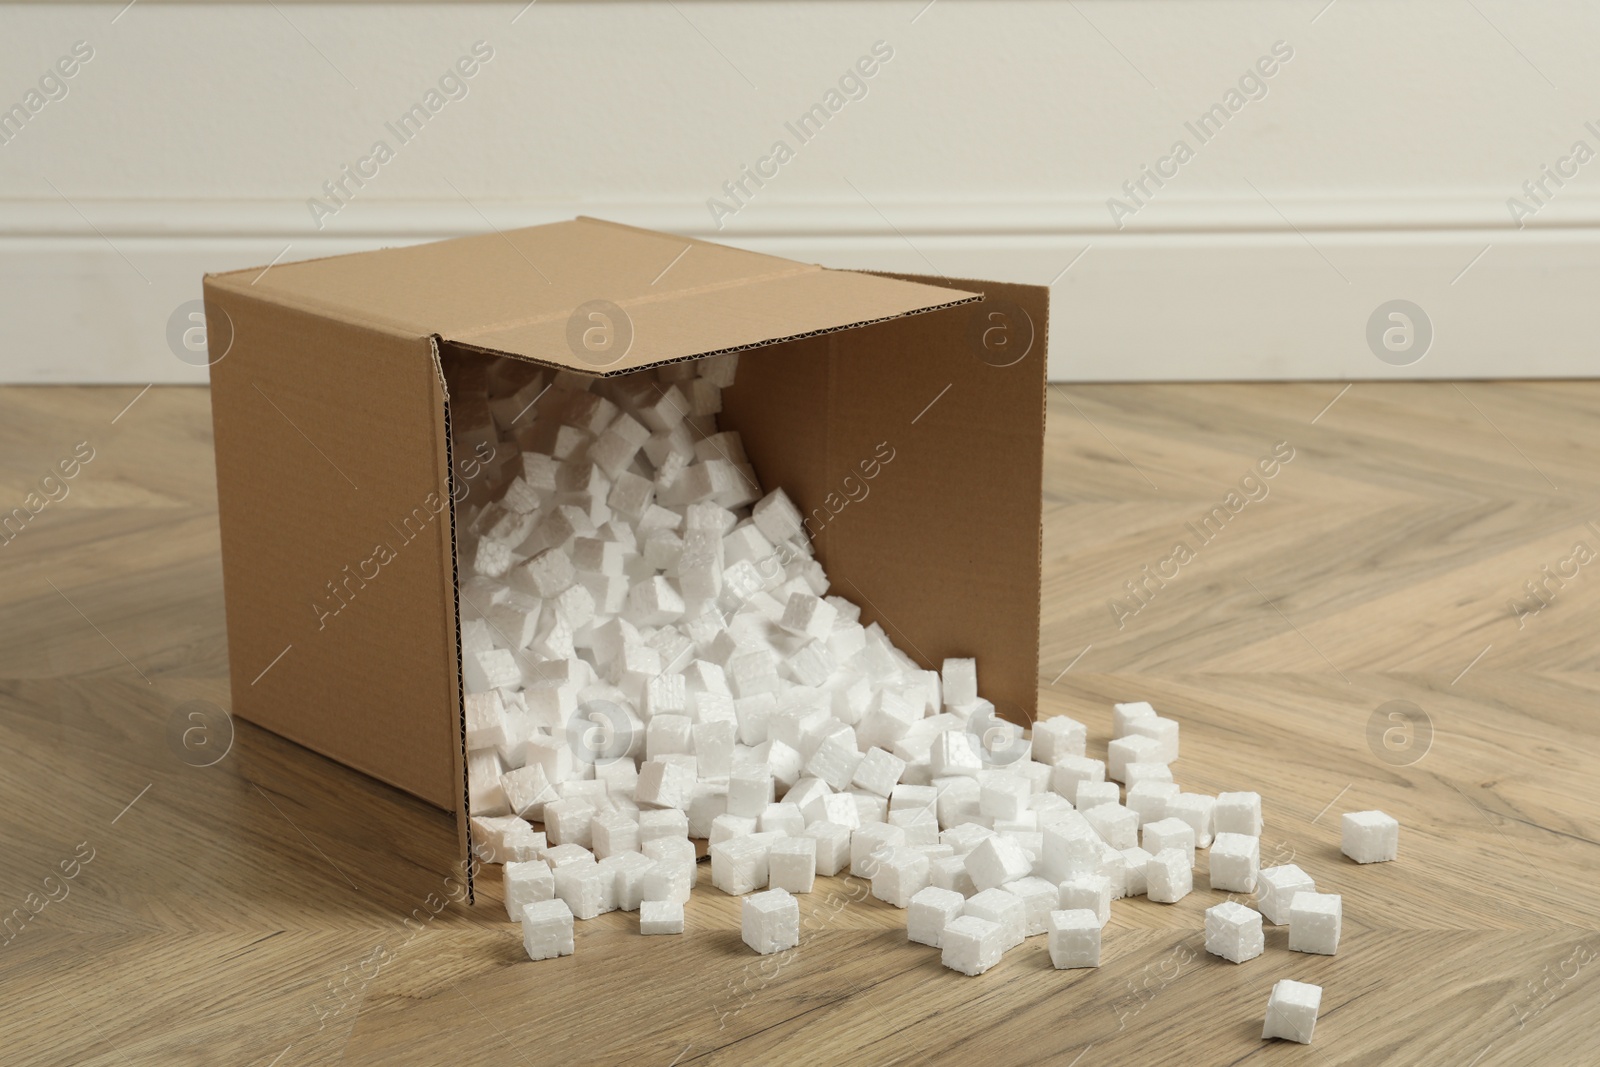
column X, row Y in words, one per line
column 338, row 476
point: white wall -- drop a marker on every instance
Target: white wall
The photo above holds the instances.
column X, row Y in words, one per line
column 1377, row 165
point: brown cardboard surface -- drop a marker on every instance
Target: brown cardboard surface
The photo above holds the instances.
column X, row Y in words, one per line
column 331, row 414
column 328, row 437
column 941, row 545
column 515, row 292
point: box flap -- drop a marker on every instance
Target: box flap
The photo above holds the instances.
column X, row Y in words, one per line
column 590, row 296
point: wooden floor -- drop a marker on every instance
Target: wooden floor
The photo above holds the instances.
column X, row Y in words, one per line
column 252, row 912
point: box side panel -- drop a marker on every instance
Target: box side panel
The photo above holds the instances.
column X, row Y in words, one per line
column 933, row 494
column 333, row 503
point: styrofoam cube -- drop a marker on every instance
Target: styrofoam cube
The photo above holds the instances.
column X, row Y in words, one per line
column 959, row 678
column 664, row 784
column 921, row 825
column 1071, row 847
column 1233, row 932
column 1168, row 876
column 527, row 883
column 900, row 875
column 792, row 864
column 1117, row 826
column 1057, row 737
column 1135, row 860
column 1160, row 730
column 1169, row 833
column 739, row 866
column 667, row 880
column 878, row 772
column 661, row 917
column 1090, row 794
column 1001, row 908
column 1149, row 800
column 1235, row 862
column 1137, row 772
column 547, row 929
column 996, row 861
column 1003, row 796
column 559, row 856
column 971, row 945
column 1314, row 921
column 783, row 818
column 670, row 822
column 1292, row 1011
column 1369, row 836
column 1074, row 938
column 951, row 873
column 1124, row 715
column 1196, row 809
column 1276, row 888
column 1039, row 898
column 1070, row 771
column 808, row 616
column 770, row 921
column 629, row 872
column 833, row 847
column 750, row 790
column 727, row 827
column 1131, row 749
column 954, row 752
column 613, row 832
column 930, row 910
column 586, row 888
column 1088, row 892
column 1237, row 813
column 870, row 844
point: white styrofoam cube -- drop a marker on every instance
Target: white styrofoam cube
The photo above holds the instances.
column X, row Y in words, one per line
column 1235, row 862
column 959, row 678
column 996, row 861
column 1160, row 730
column 1003, row 795
column 870, row 844
column 629, row 871
column 1124, row 715
column 1000, row 907
column 878, row 772
column 661, row 917
column 1131, row 749
column 959, row 797
column 547, row 929
column 1369, row 836
column 783, row 818
column 1292, row 1011
column 971, row 945
column 666, row 880
column 665, row 784
column 587, row 889
column 1169, row 833
column 810, row 616
column 1117, row 826
column 739, row 865
column 1039, row 898
column 1276, row 888
column 1196, row 809
column 1137, row 772
column 1168, row 876
column 670, row 822
column 1090, row 794
column 750, row 790
column 770, row 921
column 1087, row 892
column 1058, row 736
column 833, row 846
column 1134, row 884
column 559, row 856
column 527, row 883
column 900, row 875
column 792, row 864
column 950, row 873
column 1149, row 799
column 726, row 827
column 921, row 825
column 1071, row 848
column 1074, row 938
column 954, row 752
column 1233, row 932
column 1070, row 771
column 930, row 910
column 613, row 832
column 1314, row 921
column 1237, row 813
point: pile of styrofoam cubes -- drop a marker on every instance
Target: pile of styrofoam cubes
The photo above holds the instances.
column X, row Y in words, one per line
column 650, row 659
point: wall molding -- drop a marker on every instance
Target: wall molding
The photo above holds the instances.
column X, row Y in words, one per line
column 1193, row 288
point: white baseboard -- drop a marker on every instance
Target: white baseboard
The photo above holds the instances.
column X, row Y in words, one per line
column 1226, row 289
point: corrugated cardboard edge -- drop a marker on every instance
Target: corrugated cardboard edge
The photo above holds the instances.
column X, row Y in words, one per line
column 463, row 810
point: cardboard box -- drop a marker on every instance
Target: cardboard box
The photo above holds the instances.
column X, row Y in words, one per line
column 336, row 468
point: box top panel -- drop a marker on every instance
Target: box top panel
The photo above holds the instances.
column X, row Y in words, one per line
column 590, row 296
